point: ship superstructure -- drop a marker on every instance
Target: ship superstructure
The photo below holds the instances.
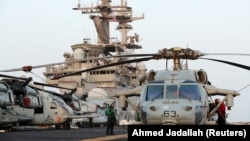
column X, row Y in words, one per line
column 111, row 79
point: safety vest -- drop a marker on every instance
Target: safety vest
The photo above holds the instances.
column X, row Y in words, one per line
column 110, row 113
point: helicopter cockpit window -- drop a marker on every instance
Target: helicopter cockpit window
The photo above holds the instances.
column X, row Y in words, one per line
column 171, row 92
column 53, row 105
column 154, row 92
column 189, row 92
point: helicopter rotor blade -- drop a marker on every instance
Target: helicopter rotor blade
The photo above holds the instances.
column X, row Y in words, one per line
column 13, row 77
column 48, row 91
column 48, row 85
column 135, row 55
column 165, row 53
column 237, row 54
column 72, row 91
column 29, row 68
column 227, row 62
column 104, row 66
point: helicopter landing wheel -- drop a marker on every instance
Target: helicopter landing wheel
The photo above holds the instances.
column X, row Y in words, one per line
column 9, row 129
column 58, row 126
column 66, row 125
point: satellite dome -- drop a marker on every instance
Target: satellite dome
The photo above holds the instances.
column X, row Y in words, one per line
column 141, row 67
column 78, row 54
column 66, row 55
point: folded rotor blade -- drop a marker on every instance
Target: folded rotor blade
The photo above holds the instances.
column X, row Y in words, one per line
column 49, row 85
column 13, row 77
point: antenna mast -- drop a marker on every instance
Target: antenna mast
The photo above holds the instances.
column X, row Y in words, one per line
column 103, row 14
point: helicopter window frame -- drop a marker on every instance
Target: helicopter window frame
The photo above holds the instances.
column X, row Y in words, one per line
column 189, row 91
column 155, row 91
column 172, row 91
column 53, row 105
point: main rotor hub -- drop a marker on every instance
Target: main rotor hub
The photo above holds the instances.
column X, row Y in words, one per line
column 178, row 53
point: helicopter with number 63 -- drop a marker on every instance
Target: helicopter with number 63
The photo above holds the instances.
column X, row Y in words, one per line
column 172, row 96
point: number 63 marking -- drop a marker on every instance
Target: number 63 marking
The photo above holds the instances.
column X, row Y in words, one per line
column 169, row 114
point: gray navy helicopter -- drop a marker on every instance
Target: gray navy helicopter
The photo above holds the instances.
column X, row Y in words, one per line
column 8, row 116
column 32, row 105
column 177, row 96
column 85, row 108
column 172, row 96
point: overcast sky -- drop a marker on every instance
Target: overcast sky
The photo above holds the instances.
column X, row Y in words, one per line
column 39, row 32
